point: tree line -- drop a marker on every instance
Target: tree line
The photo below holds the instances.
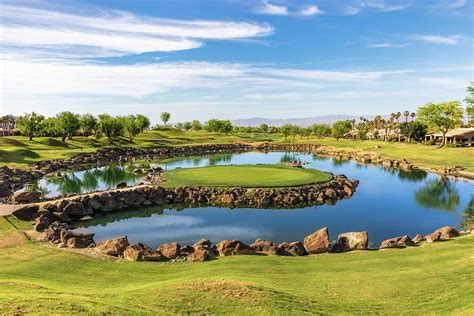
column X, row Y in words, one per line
column 67, row 125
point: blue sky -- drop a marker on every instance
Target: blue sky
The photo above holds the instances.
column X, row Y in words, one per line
column 233, row 59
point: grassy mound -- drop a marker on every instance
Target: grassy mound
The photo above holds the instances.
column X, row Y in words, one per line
column 249, row 176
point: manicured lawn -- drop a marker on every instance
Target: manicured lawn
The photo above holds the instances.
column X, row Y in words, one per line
column 431, row 279
column 255, row 176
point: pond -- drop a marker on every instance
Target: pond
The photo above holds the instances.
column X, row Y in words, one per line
column 388, row 203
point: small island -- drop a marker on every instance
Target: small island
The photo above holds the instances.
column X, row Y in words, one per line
column 246, row 176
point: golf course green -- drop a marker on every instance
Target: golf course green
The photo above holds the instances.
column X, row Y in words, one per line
column 249, row 176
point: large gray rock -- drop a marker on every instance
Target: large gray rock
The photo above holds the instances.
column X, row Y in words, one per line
column 317, row 242
column 26, row 197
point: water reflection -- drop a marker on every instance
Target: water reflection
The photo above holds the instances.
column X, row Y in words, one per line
column 415, row 175
column 438, row 193
column 388, row 203
column 468, row 215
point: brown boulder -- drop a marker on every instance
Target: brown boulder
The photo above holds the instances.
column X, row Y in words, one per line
column 292, row 249
column 265, row 246
column 141, row 252
column 185, row 251
column 77, row 210
column 113, row 247
column 397, row 242
column 317, row 242
column 26, row 197
column 25, row 212
column 42, row 222
column 418, row 238
column 79, row 242
column 351, row 241
column 443, row 233
column 233, row 247
column 170, row 251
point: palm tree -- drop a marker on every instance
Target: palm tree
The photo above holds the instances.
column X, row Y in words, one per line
column 406, row 114
column 413, row 114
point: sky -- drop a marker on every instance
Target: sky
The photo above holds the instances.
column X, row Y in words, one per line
column 229, row 59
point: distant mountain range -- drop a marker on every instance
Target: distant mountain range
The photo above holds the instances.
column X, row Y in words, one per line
column 301, row 122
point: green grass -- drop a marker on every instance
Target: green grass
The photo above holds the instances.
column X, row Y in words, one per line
column 431, row 279
column 18, row 151
column 249, row 176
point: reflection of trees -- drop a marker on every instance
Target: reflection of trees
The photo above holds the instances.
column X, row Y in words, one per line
column 69, row 183
column 340, row 162
column 217, row 159
column 90, row 179
column 287, row 157
column 415, row 175
column 468, row 214
column 320, row 158
column 35, row 187
column 438, row 193
column 112, row 175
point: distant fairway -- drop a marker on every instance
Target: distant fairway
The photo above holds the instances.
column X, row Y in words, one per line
column 249, row 176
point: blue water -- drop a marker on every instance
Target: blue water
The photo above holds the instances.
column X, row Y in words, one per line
column 387, row 203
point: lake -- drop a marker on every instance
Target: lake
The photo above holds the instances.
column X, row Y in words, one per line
column 388, row 203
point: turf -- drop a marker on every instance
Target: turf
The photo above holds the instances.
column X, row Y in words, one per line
column 249, row 176
column 431, row 279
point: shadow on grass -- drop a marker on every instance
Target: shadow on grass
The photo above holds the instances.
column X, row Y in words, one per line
column 18, row 156
column 13, row 142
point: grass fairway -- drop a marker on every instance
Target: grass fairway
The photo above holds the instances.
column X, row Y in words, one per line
column 436, row 278
column 249, row 176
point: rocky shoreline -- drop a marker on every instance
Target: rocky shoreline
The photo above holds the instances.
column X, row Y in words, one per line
column 12, row 180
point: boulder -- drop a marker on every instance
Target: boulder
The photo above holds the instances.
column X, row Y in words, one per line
column 25, row 212
column 418, row 238
column 266, row 246
column 185, row 251
column 442, row 233
column 204, row 243
column 141, row 252
column 351, row 241
column 42, row 222
column 292, row 249
column 170, row 251
column 26, row 197
column 233, row 247
column 200, row 253
column 77, row 210
column 397, row 242
column 317, row 242
column 113, row 247
column 121, row 185
column 79, row 242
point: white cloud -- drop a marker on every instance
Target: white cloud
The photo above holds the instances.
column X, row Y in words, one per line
column 386, row 45
column 439, row 39
column 310, row 10
column 355, row 7
column 266, row 7
column 111, row 33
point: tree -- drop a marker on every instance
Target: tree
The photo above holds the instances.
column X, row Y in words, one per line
column 263, row 128
column 441, row 117
column 49, row 127
column 142, row 122
column 196, row 125
column 88, row 124
column 470, row 104
column 413, row 114
column 362, row 130
column 130, row 126
column 68, row 124
column 187, row 126
column 111, row 127
column 212, row 125
column 286, row 130
column 226, row 127
column 165, row 117
column 341, row 128
column 295, row 130
column 321, row 130
column 306, row 132
column 413, row 130
column 406, row 114
column 30, row 124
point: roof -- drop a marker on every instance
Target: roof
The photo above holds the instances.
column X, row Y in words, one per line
column 458, row 132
